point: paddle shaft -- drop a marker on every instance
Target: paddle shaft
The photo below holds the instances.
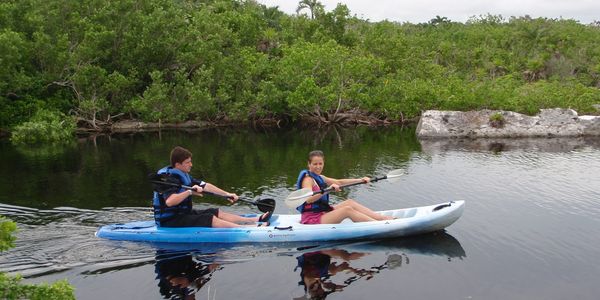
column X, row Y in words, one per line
column 298, row 197
column 205, row 192
column 329, row 189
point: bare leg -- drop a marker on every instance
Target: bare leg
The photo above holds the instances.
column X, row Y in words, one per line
column 220, row 223
column 236, row 218
column 363, row 209
column 340, row 213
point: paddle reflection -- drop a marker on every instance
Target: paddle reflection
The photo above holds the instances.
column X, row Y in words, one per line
column 326, row 271
column 181, row 275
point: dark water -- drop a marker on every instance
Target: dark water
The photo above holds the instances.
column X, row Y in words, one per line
column 531, row 227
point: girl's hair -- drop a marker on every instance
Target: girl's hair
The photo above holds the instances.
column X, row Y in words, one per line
column 179, row 154
column 314, row 153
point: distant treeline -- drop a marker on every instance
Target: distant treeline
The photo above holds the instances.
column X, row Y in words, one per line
column 226, row 60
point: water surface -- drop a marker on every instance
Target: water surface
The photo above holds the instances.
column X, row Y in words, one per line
column 530, row 230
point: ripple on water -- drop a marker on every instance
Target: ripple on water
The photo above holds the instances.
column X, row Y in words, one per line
column 55, row 240
column 64, row 239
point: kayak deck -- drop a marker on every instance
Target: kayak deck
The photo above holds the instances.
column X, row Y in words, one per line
column 287, row 228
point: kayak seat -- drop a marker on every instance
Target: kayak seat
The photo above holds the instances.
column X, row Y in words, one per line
column 403, row 213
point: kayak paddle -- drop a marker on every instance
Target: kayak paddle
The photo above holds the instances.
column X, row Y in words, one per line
column 298, row 197
column 163, row 183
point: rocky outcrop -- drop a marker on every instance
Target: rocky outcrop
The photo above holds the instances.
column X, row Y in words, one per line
column 506, row 124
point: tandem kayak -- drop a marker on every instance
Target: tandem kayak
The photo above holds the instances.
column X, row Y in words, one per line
column 287, row 228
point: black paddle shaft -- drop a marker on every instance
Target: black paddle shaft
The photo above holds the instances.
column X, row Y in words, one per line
column 264, row 205
column 329, row 189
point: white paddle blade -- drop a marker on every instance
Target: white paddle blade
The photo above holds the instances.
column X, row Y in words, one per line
column 296, row 198
column 394, row 174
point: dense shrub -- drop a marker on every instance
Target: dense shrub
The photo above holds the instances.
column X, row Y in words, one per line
column 172, row 61
column 45, row 127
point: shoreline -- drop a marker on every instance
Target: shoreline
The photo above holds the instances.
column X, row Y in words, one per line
column 132, row 126
column 431, row 124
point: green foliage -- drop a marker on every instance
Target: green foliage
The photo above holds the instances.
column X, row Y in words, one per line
column 12, row 288
column 13, row 56
column 550, row 94
column 496, row 117
column 45, row 127
column 497, row 120
column 172, row 61
column 325, row 78
column 176, row 101
column 7, row 228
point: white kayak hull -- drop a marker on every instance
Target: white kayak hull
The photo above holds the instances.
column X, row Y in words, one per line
column 287, row 228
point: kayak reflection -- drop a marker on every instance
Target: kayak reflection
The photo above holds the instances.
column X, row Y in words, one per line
column 331, row 270
column 181, row 275
column 438, row 243
column 183, row 269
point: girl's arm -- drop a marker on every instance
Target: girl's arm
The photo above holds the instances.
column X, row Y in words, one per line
column 339, row 182
column 307, row 183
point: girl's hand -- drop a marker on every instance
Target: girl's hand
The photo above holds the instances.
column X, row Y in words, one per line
column 335, row 187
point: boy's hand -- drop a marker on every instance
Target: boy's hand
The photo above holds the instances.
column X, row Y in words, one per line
column 197, row 190
column 232, row 197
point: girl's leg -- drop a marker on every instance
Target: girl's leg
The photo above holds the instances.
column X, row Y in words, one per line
column 340, row 213
column 363, row 209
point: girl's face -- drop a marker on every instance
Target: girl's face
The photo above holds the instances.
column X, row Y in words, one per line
column 316, row 164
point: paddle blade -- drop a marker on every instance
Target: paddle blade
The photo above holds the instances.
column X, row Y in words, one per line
column 296, row 198
column 266, row 205
column 395, row 174
column 164, row 183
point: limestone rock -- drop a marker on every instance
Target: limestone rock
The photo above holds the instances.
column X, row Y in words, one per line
column 500, row 124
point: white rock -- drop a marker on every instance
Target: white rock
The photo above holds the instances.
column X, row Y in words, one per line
column 548, row 123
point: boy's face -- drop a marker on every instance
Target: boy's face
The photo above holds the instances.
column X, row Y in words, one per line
column 185, row 166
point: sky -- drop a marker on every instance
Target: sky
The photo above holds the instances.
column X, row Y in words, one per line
column 421, row 11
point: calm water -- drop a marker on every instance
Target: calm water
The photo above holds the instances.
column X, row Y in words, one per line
column 531, row 227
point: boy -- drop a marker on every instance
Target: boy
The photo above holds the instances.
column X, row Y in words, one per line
column 174, row 208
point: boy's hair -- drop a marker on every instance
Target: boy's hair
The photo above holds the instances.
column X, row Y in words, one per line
column 179, row 154
column 314, row 153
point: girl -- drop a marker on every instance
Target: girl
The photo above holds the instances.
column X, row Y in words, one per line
column 316, row 209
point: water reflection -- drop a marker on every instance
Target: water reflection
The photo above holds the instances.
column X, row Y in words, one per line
column 554, row 145
column 110, row 171
column 183, row 270
column 331, row 270
column 318, row 269
column 533, row 214
column 181, row 275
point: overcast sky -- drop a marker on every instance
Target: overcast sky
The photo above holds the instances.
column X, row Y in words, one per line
column 584, row 11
